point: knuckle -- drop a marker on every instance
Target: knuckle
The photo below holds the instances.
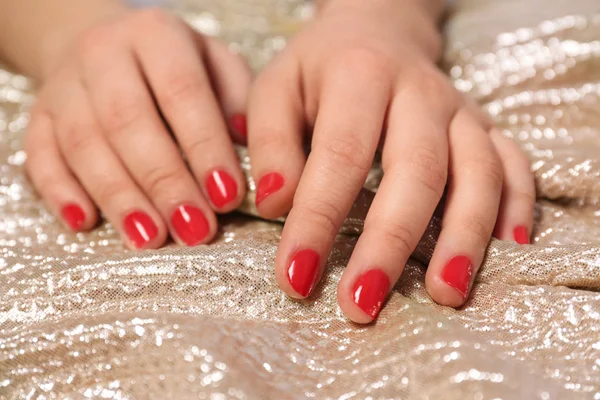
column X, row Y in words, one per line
column 321, row 214
column 77, row 140
column 428, row 169
column 344, row 152
column 44, row 182
column 396, row 237
column 94, row 39
column 478, row 226
column 428, row 83
column 201, row 143
column 183, row 88
column 106, row 192
column 366, row 62
column 151, row 17
column 527, row 197
column 121, row 111
column 267, row 138
column 490, row 168
column 162, row 179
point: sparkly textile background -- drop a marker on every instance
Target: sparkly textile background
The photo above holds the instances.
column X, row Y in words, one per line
column 82, row 317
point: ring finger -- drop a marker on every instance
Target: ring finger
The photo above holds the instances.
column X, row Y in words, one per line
column 103, row 176
column 471, row 209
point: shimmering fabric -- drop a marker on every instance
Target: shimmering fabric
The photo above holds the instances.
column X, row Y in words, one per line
column 82, row 317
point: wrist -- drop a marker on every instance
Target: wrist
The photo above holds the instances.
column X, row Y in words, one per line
column 415, row 20
column 65, row 30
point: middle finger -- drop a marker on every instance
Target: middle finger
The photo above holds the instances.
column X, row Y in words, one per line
column 134, row 129
column 347, row 131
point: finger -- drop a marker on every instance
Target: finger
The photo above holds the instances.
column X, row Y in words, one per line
column 471, row 210
column 276, row 136
column 184, row 93
column 415, row 163
column 515, row 219
column 99, row 170
column 136, row 133
column 231, row 77
column 51, row 177
column 347, row 131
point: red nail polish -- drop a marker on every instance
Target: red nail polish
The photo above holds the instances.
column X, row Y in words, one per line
column 303, row 270
column 238, row 124
column 74, row 216
column 190, row 224
column 370, row 291
column 221, row 188
column 268, row 184
column 140, row 228
column 520, row 234
column 457, row 274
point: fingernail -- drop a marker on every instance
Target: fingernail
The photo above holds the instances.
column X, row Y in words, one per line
column 370, row 291
column 221, row 188
column 140, row 228
column 190, row 224
column 520, row 234
column 268, row 184
column 302, row 271
column 238, row 124
column 74, row 216
column 457, row 273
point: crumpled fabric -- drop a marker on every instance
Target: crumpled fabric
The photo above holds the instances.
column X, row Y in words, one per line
column 82, row 317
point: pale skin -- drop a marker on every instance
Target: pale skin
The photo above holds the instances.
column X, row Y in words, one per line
column 362, row 77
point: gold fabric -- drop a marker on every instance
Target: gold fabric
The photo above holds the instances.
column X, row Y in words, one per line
column 80, row 317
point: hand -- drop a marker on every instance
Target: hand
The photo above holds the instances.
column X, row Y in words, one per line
column 364, row 73
column 100, row 131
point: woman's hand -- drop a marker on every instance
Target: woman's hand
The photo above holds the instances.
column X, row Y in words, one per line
column 363, row 74
column 118, row 106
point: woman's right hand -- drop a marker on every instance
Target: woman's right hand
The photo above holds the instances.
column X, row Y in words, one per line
column 116, row 112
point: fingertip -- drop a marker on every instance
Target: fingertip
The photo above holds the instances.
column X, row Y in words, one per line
column 363, row 294
column 191, row 225
column 79, row 217
column 140, row 231
column 298, row 272
column 350, row 309
column 521, row 235
column 273, row 195
column 443, row 293
column 225, row 190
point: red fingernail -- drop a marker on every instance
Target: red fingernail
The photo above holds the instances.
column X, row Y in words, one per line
column 370, row 291
column 268, row 185
column 457, row 274
column 190, row 224
column 221, row 188
column 74, row 216
column 238, row 124
column 302, row 271
column 140, row 228
column 520, row 234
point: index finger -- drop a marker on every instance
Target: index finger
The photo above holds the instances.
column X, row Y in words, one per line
column 347, row 132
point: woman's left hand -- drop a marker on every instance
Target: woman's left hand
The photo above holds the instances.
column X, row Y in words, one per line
column 364, row 74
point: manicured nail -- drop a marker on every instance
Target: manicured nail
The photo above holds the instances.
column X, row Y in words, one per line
column 238, row 124
column 268, row 184
column 140, row 228
column 370, row 291
column 190, row 224
column 74, row 216
column 303, row 270
column 520, row 234
column 457, row 274
column 221, row 188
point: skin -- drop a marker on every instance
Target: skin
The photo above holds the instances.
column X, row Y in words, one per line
column 362, row 77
